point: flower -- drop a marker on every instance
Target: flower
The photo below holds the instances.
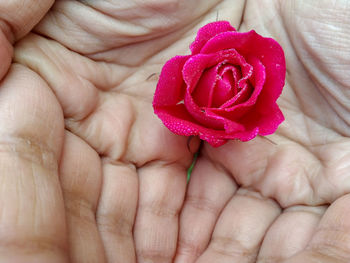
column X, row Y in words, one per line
column 225, row 89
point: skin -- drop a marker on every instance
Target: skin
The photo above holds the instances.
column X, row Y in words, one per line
column 90, row 174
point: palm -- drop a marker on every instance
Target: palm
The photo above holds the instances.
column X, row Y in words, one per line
column 116, row 159
column 119, row 164
column 273, row 192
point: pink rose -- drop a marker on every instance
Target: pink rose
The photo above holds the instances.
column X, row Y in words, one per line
column 226, row 89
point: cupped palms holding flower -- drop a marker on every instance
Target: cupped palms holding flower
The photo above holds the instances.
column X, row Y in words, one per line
column 90, row 174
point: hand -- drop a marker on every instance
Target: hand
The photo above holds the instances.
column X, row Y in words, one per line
column 284, row 198
column 82, row 151
column 115, row 162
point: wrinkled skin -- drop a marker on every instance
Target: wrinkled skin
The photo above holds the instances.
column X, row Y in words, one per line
column 89, row 174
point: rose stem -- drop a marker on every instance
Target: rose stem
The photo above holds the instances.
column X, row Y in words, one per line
column 189, row 171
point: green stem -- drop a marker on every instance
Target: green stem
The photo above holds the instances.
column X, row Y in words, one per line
column 189, row 171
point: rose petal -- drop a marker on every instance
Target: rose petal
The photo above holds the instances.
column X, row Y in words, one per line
column 203, row 92
column 267, row 50
column 210, row 119
column 223, row 91
column 257, row 78
column 207, row 32
column 232, row 74
column 248, row 134
column 179, row 121
column 242, row 96
column 230, row 126
column 245, row 101
column 268, row 121
column 200, row 114
column 170, row 88
column 193, row 70
column 195, row 65
column 273, row 123
column 237, row 74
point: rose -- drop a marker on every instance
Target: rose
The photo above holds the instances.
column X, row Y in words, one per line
column 226, row 89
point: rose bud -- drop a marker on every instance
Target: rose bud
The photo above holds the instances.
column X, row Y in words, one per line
column 226, row 89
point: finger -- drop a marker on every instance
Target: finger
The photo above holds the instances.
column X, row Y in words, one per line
column 32, row 220
column 209, row 190
column 110, row 25
column 76, row 82
column 117, row 209
column 331, row 241
column 6, row 51
column 17, row 18
column 81, row 180
column 240, row 228
column 290, row 233
column 161, row 194
column 21, row 16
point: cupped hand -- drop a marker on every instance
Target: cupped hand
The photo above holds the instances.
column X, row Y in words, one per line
column 89, row 174
column 283, row 198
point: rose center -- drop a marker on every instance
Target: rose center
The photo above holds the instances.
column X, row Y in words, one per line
column 219, row 85
column 226, row 85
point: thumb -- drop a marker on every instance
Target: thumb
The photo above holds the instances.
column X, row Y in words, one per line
column 17, row 18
